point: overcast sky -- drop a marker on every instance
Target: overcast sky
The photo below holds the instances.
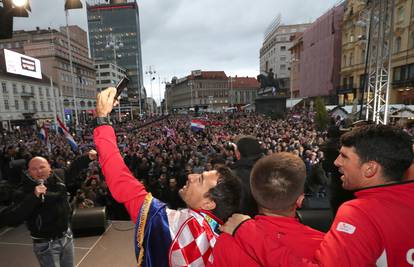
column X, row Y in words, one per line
column 183, row 35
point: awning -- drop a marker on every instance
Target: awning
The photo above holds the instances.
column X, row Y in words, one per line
column 291, row 102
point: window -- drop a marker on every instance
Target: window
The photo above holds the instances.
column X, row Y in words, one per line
column 16, row 104
column 363, row 56
column 351, row 59
column 283, row 48
column 42, row 108
column 47, row 91
column 23, row 88
column 410, row 70
column 400, row 14
column 34, row 105
column 4, row 86
column 49, row 106
column 25, row 105
column 282, row 58
column 397, row 47
column 6, row 104
column 345, row 82
column 404, row 73
column 14, row 88
column 351, row 82
column 412, row 39
column 40, row 91
column 344, row 61
column 283, row 67
column 362, row 81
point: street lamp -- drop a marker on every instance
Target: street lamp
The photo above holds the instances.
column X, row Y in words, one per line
column 151, row 71
column 115, row 44
column 72, row 4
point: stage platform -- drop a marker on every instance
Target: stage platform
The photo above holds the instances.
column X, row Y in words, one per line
column 114, row 248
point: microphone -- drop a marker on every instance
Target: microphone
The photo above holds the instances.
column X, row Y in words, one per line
column 42, row 196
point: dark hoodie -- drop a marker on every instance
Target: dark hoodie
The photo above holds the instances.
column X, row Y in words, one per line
column 242, row 168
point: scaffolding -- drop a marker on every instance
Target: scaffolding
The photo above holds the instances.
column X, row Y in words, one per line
column 380, row 14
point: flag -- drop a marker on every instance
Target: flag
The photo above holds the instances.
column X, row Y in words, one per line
column 44, row 136
column 62, row 129
column 169, row 132
column 197, row 125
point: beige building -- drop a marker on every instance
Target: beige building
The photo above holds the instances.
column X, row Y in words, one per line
column 210, row 90
column 354, row 50
column 51, row 48
column 275, row 55
column 25, row 100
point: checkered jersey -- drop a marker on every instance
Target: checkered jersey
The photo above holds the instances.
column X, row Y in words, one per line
column 192, row 239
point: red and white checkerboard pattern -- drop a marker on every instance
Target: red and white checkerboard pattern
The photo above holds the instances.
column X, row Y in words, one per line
column 193, row 244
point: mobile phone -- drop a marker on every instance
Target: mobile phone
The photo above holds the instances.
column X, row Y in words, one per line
column 122, row 84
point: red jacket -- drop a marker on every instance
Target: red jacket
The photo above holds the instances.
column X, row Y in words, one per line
column 375, row 229
column 256, row 241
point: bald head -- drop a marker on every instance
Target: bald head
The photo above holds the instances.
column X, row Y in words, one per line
column 39, row 168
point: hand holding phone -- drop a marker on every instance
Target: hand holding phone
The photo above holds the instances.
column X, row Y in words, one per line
column 122, row 84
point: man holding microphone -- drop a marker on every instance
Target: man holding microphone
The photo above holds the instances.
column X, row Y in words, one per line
column 42, row 202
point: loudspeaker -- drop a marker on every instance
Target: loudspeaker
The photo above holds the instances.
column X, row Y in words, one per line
column 89, row 221
column 6, row 23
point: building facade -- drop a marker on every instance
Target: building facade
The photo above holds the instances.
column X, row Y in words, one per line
column 114, row 35
column 51, row 47
column 354, row 47
column 25, row 100
column 210, row 90
column 108, row 74
column 275, row 55
column 316, row 56
column 296, row 50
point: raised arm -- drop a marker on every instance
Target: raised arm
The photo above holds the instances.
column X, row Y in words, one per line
column 125, row 188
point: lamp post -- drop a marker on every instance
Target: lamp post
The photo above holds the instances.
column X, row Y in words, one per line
column 115, row 44
column 71, row 70
column 151, row 71
column 72, row 4
column 165, row 95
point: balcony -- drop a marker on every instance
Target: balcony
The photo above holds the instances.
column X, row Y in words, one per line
column 402, row 83
column 347, row 88
column 27, row 94
column 28, row 114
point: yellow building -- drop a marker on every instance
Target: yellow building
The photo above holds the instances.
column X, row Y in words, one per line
column 354, row 35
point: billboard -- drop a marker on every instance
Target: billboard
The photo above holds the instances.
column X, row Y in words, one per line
column 17, row 63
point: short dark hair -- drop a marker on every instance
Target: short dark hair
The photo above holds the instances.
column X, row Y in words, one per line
column 226, row 194
column 277, row 180
column 390, row 146
column 248, row 146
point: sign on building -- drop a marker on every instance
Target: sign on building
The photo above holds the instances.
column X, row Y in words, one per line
column 20, row 64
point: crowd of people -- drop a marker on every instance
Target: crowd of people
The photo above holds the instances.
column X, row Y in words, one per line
column 163, row 153
column 168, row 176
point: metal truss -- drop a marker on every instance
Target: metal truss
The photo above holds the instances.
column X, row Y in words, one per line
column 381, row 22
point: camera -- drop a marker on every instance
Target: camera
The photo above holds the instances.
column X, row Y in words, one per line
column 230, row 146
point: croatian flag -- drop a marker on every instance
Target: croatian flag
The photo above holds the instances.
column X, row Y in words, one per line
column 197, row 125
column 44, row 136
column 62, row 129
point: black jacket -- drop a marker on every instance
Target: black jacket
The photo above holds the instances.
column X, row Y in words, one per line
column 46, row 219
column 242, row 168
